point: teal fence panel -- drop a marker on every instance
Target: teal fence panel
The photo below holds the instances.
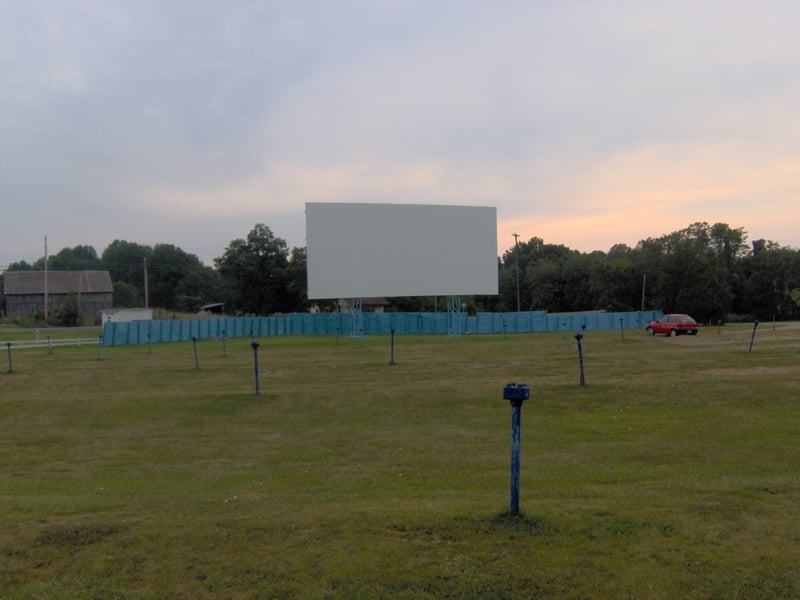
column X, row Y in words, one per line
column 201, row 329
column 260, row 327
column 441, row 323
column 604, row 321
column 143, row 332
column 228, row 327
column 539, row 321
column 310, row 324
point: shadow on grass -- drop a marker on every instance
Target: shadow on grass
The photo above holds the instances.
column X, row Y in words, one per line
column 518, row 523
column 464, row 528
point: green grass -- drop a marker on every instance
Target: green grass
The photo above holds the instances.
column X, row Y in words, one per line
column 673, row 473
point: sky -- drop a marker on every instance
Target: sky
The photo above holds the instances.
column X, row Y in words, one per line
column 585, row 123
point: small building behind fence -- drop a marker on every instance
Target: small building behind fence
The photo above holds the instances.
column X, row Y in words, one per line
column 126, row 315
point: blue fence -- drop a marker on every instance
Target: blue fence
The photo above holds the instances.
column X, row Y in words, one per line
column 144, row 332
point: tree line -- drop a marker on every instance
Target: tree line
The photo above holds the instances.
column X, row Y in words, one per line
column 708, row 271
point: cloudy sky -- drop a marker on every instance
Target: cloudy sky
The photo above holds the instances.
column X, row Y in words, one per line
column 586, row 123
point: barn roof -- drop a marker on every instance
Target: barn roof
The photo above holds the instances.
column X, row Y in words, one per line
column 58, row 282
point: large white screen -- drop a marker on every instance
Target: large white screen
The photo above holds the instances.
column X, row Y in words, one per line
column 368, row 250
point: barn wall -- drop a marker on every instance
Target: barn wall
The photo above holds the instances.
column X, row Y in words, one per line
column 91, row 305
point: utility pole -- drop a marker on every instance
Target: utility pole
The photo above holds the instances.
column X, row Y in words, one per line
column 146, row 286
column 45, row 280
column 644, row 281
column 516, row 255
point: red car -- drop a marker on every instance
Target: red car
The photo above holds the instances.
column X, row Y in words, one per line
column 672, row 325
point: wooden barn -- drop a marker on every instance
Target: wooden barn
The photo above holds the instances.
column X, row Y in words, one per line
column 25, row 292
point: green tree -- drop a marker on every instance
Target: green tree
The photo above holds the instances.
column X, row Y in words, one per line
column 796, row 298
column 79, row 258
column 730, row 247
column 176, row 280
column 255, row 272
column 69, row 314
column 198, row 287
column 126, row 295
column 686, row 274
column 770, row 275
column 167, row 268
column 507, row 281
column 615, row 280
column 125, row 262
column 542, row 278
column 297, row 280
column 551, row 277
column 20, row 266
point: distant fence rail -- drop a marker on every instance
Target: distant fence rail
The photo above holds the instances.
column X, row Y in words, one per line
column 145, row 332
column 51, row 343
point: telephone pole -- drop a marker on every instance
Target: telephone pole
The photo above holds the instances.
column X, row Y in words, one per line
column 45, row 280
column 644, row 281
column 146, row 286
column 516, row 255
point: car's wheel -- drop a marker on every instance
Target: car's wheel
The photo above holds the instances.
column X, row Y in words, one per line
column 693, row 332
column 674, row 333
column 650, row 331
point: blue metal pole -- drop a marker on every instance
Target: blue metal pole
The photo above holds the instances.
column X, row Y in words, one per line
column 255, row 363
column 516, row 394
column 391, row 360
column 753, row 337
column 579, row 337
column 621, row 329
column 196, row 363
column 516, row 409
column 8, row 346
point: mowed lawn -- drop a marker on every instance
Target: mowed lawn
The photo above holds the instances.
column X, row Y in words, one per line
column 137, row 473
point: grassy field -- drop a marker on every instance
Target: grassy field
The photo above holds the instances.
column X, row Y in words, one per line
column 673, row 473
